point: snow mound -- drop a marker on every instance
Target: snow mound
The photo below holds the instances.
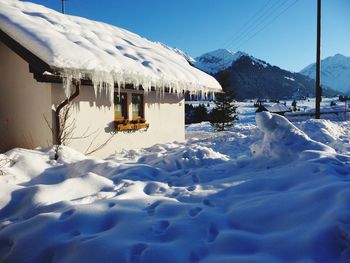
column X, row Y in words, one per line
column 332, row 133
column 172, row 159
column 324, row 131
column 66, row 154
column 282, row 140
column 76, row 47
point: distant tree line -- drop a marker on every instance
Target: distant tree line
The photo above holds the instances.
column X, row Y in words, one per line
column 196, row 114
column 223, row 114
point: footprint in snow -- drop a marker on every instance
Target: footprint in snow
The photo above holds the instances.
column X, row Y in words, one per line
column 342, row 171
column 175, row 194
column 178, row 164
column 213, row 232
column 153, row 189
column 195, row 211
column 72, row 234
column 191, row 188
column 5, row 247
column 87, row 238
column 160, row 227
column 66, row 214
column 111, row 204
column 151, row 209
column 343, row 229
column 194, row 257
column 136, row 252
column 195, row 179
column 197, row 255
column 75, row 233
column 208, row 202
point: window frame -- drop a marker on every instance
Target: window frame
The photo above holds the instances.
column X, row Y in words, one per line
column 124, row 106
column 142, row 110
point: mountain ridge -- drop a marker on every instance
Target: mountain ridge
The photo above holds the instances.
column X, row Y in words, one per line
column 335, row 72
column 214, row 61
column 251, row 77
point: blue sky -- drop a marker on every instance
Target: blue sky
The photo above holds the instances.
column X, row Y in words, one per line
column 282, row 32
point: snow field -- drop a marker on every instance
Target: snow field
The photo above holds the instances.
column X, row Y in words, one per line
column 236, row 196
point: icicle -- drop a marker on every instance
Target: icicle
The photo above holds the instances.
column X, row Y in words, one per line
column 67, row 78
column 118, row 88
column 67, row 82
column 104, row 83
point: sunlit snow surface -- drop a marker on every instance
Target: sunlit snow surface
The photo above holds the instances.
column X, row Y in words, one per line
column 272, row 193
column 78, row 48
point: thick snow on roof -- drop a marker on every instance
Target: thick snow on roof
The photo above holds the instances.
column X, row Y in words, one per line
column 77, row 47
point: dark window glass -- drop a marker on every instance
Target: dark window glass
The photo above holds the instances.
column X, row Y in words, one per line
column 137, row 106
column 120, row 106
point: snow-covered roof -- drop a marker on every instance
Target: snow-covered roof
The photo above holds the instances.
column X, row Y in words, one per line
column 278, row 107
column 76, row 47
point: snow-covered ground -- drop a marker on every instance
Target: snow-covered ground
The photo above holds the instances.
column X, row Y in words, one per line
column 246, row 109
column 266, row 191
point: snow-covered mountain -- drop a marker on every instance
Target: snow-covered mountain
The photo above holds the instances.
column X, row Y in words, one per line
column 335, row 72
column 251, row 77
column 220, row 59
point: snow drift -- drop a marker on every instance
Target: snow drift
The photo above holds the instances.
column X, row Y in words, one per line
column 284, row 141
column 212, row 208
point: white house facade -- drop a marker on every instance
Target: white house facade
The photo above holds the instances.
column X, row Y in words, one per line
column 124, row 91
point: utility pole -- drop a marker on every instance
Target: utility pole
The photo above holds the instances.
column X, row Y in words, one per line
column 318, row 63
column 63, row 11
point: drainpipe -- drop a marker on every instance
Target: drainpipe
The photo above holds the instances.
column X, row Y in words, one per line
column 60, row 107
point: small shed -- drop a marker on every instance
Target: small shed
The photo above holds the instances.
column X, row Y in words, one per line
column 277, row 108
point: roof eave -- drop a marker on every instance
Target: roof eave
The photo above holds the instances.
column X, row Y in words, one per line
column 36, row 65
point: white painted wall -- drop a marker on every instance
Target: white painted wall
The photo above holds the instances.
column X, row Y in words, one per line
column 23, row 104
column 164, row 113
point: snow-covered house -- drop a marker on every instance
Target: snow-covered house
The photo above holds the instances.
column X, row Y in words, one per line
column 278, row 108
column 126, row 91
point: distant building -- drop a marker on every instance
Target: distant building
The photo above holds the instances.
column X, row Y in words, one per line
column 277, row 108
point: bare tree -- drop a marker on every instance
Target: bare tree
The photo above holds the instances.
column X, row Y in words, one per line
column 98, row 147
column 63, row 133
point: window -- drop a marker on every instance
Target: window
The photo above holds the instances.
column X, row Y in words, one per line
column 121, row 118
column 137, row 106
column 120, row 106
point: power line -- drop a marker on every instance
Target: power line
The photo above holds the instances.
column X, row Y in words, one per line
column 261, row 21
column 247, row 24
column 242, row 42
column 254, row 22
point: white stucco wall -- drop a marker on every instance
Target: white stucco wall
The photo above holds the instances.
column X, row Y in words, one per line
column 94, row 117
column 23, row 104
